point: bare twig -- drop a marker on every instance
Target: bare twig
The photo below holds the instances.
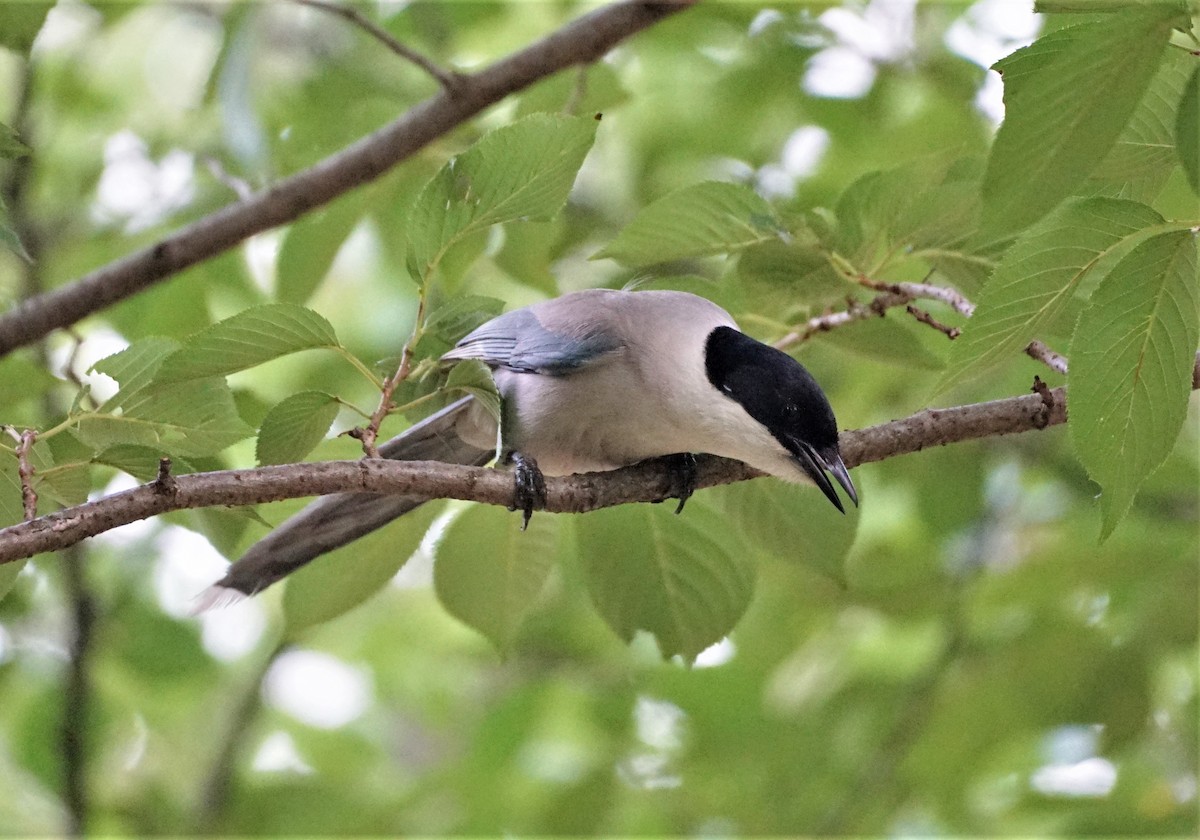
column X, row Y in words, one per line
column 925, row 318
column 925, row 291
column 164, row 482
column 448, row 79
column 25, row 440
column 1055, row 361
column 369, row 434
column 579, row 42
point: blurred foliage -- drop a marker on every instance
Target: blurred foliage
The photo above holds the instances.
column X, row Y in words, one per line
column 961, row 656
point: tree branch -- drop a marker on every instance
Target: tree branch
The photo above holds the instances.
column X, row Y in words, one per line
column 579, row 42
column 430, row 479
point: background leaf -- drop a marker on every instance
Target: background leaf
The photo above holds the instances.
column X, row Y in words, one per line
column 310, row 246
column 696, row 221
column 1131, row 367
column 686, row 579
column 293, row 427
column 493, row 585
column 339, row 581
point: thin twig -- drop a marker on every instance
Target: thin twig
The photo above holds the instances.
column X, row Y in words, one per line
column 1055, row 361
column 369, row 434
column 925, row 291
column 25, row 471
column 925, row 318
column 450, row 80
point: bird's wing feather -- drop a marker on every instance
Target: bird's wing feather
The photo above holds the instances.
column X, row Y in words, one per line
column 522, row 341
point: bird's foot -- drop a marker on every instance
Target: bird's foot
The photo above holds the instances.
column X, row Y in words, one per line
column 529, row 487
column 682, row 467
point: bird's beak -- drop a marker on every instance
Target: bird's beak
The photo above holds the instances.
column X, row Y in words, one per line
column 816, row 463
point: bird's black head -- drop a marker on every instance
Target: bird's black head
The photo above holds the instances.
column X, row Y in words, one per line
column 779, row 393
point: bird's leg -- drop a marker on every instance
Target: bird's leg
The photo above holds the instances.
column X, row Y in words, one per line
column 529, row 486
column 682, row 467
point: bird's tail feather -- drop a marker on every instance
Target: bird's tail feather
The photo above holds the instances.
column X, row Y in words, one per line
column 333, row 521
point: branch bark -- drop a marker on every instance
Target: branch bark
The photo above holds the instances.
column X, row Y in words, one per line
column 579, row 42
column 644, row 482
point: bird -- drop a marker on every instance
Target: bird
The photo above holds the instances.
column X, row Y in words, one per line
column 591, row 381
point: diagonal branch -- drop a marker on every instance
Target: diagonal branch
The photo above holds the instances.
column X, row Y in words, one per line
column 579, row 42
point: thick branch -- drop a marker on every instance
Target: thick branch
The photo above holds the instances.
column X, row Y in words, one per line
column 579, row 42
column 430, row 479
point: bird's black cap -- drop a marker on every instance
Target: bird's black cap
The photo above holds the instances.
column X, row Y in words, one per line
column 782, row 395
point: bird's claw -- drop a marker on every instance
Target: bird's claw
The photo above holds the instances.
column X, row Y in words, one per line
column 683, row 477
column 529, row 487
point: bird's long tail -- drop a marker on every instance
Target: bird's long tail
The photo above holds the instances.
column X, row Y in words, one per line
column 333, row 521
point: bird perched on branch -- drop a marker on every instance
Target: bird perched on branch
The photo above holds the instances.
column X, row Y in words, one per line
column 593, row 380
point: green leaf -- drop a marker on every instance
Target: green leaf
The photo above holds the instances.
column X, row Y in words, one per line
column 461, row 314
column 294, row 427
column 521, row 171
column 310, row 246
column 1139, row 164
column 1187, row 131
column 890, row 341
column 189, row 419
column 337, row 582
column 20, row 23
column 776, row 271
column 11, row 511
column 1036, row 279
column 473, row 377
column 8, row 576
column 687, row 579
column 10, row 144
column 1067, row 98
column 141, row 462
column 697, row 221
column 247, row 339
column 135, row 366
column 1131, row 367
column 795, row 524
column 489, row 573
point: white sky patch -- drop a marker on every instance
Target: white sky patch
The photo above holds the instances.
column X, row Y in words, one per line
column 880, row 32
column 187, row 564
column 716, row 654
column 318, row 689
column 659, row 723
column 98, row 344
column 1092, row 777
column 278, row 754
column 839, row 73
column 137, row 191
column 990, row 30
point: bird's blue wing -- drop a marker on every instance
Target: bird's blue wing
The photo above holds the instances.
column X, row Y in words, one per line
column 518, row 341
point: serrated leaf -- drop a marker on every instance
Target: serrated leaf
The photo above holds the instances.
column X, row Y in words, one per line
column 336, row 582
column 294, row 426
column 247, row 339
column 1138, row 165
column 191, row 419
column 134, row 367
column 775, row 271
column 687, row 579
column 887, row 340
column 1036, row 279
column 488, row 572
column 790, row 523
column 1187, row 131
column 1131, row 367
column 521, row 171
column 310, row 246
column 697, row 221
column 461, row 314
column 473, row 377
column 1067, row 98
